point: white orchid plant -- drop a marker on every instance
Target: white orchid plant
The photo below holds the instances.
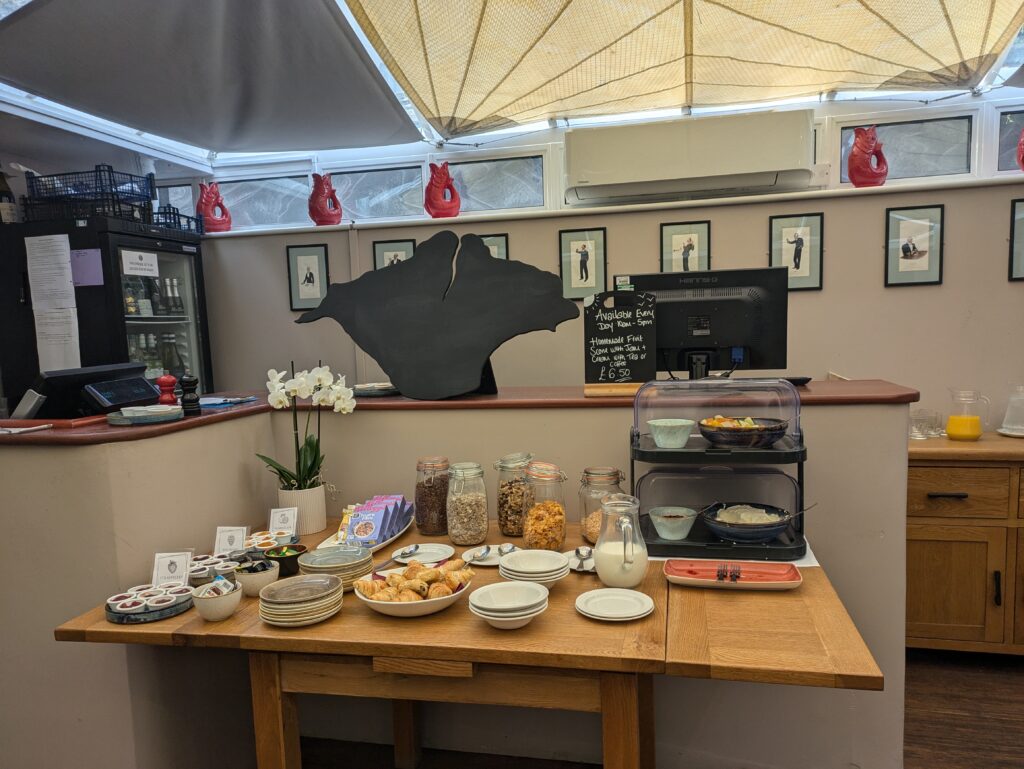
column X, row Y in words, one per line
column 323, row 390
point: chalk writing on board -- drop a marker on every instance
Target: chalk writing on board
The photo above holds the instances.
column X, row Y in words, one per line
column 619, row 337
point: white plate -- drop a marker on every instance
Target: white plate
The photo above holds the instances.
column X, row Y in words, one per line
column 616, row 604
column 1009, row 433
column 302, row 622
column 588, row 563
column 491, row 559
column 531, row 575
column 429, row 552
column 332, row 540
column 534, row 561
column 615, row 619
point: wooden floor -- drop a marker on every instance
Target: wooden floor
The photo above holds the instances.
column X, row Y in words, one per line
column 963, row 711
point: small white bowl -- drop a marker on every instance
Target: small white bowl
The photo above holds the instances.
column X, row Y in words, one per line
column 138, row 589
column 131, row 606
column 217, row 607
column 114, row 600
column 225, row 556
column 160, row 602
column 145, row 595
column 165, row 586
column 509, row 623
column 282, row 537
column 670, row 433
column 672, row 523
column 548, row 581
column 264, row 545
column 180, row 594
column 197, row 559
column 253, row 583
column 508, row 597
column 533, row 562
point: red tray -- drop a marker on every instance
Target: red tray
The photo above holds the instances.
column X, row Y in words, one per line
column 752, row 575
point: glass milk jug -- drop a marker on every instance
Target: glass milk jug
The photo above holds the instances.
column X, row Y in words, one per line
column 1013, row 422
column 965, row 422
column 620, row 557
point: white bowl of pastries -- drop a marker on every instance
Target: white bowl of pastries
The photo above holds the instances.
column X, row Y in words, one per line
column 416, row 590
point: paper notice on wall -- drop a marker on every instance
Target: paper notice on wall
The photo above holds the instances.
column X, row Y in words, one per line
column 57, row 339
column 139, row 263
column 49, row 272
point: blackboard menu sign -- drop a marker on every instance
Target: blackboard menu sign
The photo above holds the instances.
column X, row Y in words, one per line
column 619, row 340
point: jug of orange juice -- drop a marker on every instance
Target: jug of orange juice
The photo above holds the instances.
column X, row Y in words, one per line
column 965, row 423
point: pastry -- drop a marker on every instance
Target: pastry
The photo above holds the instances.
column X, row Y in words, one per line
column 417, row 586
column 414, row 568
column 453, row 565
column 395, row 580
column 429, row 575
column 409, row 595
column 370, row 587
column 387, row 594
column 439, row 590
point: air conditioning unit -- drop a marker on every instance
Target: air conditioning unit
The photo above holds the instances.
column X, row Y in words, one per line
column 749, row 154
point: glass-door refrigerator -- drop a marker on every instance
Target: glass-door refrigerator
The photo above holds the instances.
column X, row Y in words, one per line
column 139, row 297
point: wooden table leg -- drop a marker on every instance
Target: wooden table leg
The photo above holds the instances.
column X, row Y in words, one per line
column 406, row 734
column 646, row 708
column 275, row 718
column 623, row 699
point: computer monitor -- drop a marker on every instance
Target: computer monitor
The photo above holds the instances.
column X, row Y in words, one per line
column 718, row 320
column 59, row 394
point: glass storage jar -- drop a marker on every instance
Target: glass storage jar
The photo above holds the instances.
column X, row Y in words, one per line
column 467, row 504
column 544, row 508
column 512, row 487
column 596, row 483
column 432, row 495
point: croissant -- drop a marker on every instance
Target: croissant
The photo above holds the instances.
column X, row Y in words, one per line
column 456, row 579
column 409, row 595
column 395, row 580
column 438, row 590
column 417, row 586
column 414, row 568
column 453, row 565
column 429, row 575
column 370, row 587
column 387, row 594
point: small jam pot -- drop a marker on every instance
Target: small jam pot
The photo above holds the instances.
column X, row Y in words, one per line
column 114, row 600
column 147, row 594
column 180, row 594
column 138, row 589
column 160, row 602
column 131, row 606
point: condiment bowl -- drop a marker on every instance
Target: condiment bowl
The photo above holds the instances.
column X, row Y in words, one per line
column 180, row 594
column 217, row 607
column 138, row 589
column 282, row 537
column 263, row 545
column 160, row 602
column 253, row 582
column 131, row 606
column 114, row 600
column 670, row 433
column 289, row 563
column 673, row 523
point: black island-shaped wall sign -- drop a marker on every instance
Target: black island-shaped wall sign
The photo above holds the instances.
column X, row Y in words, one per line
column 432, row 321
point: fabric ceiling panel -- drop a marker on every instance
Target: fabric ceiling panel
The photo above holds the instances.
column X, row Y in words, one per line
column 226, row 75
column 476, row 65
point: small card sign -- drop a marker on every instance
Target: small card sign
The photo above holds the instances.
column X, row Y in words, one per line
column 230, row 538
column 619, row 338
column 141, row 263
column 284, row 519
column 171, row 567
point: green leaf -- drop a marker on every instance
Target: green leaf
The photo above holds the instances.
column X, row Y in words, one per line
column 288, row 478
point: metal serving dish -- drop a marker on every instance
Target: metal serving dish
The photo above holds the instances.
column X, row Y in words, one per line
column 764, row 435
column 746, row 532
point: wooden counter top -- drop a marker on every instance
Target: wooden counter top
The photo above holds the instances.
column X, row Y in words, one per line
column 991, row 447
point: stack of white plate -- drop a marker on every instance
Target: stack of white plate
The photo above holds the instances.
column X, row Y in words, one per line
column 302, row 600
column 541, row 566
column 509, row 605
column 349, row 562
column 612, row 604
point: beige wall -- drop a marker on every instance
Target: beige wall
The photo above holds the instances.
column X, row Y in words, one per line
column 929, row 337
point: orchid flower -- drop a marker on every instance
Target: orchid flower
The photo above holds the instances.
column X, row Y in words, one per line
column 274, row 378
column 321, row 376
column 324, row 397
column 278, row 399
column 345, row 405
column 300, row 386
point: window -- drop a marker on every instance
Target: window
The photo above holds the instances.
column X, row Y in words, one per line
column 1010, row 126
column 920, row 148
column 486, row 185
column 179, row 196
column 381, row 193
column 267, row 202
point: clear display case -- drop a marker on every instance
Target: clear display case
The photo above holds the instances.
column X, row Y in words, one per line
column 675, row 421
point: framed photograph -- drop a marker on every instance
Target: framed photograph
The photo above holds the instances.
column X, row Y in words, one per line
column 1017, row 239
column 913, row 246
column 389, row 252
column 497, row 244
column 794, row 241
column 308, row 276
column 583, row 262
column 686, row 246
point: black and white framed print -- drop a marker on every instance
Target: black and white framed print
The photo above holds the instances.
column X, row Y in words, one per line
column 913, row 246
column 1017, row 239
column 390, row 252
column 497, row 245
column 795, row 241
column 583, row 262
column 308, row 275
column 686, row 246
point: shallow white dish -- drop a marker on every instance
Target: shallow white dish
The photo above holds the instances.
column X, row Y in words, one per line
column 1010, row 433
column 301, row 589
column 492, row 558
column 509, row 623
column 429, row 552
column 547, row 581
column 332, row 540
column 534, row 562
column 508, row 597
column 614, row 604
column 615, row 619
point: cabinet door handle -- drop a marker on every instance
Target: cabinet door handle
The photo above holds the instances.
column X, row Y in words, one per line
column 948, row 495
column 997, row 578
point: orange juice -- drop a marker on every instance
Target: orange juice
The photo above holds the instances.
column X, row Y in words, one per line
column 963, row 427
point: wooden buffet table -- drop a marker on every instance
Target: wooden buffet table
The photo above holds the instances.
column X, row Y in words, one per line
column 561, row 660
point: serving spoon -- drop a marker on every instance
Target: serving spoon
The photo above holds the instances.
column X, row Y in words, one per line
column 405, row 553
column 479, row 555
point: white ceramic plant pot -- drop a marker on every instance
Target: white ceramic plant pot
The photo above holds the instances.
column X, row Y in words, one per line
column 312, row 505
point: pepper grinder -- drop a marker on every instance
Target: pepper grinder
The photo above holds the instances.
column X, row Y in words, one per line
column 189, row 396
column 166, row 384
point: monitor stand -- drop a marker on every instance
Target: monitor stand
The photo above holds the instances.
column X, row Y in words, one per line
column 698, row 364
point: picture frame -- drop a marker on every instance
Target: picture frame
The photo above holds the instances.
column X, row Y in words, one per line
column 388, row 252
column 583, row 261
column 796, row 241
column 691, row 238
column 497, row 244
column 906, row 229
column 1016, row 268
column 308, row 275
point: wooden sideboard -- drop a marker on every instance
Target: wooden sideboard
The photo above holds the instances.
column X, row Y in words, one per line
column 965, row 544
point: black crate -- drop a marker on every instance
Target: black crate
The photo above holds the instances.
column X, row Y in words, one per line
column 82, row 208
column 169, row 216
column 103, row 182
